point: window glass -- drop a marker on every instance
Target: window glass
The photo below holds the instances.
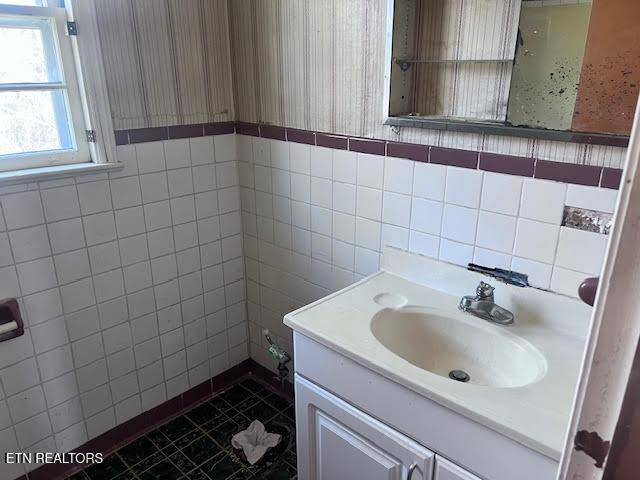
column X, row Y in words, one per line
column 34, row 121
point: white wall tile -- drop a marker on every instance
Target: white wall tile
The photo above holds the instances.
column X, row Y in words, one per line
column 580, row 250
column 369, row 203
column 345, row 166
column 370, row 170
column 459, row 223
column 368, row 233
column 501, row 193
column 424, row 244
column 454, row 252
column 539, row 273
column 60, row 203
column 151, row 158
column 99, row 228
column 6, row 257
column 496, row 231
column 299, row 155
column 22, row 209
column 94, row 197
column 126, row 192
column 536, row 240
column 394, row 236
column 463, row 187
column 566, row 281
column 543, row 200
column 66, row 235
column 491, row 258
column 592, row 198
column 29, row 243
column 398, row 175
column 72, row 266
column 36, row 275
column 396, row 209
column 321, row 162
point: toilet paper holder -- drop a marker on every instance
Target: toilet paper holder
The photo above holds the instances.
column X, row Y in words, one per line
column 11, row 325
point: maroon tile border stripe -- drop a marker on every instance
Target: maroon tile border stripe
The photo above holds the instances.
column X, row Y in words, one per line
column 411, row 151
column 491, row 162
column 301, row 136
column 454, row 157
column 494, row 162
column 611, row 178
column 332, row 141
column 147, row 421
column 568, row 172
column 364, row 145
column 273, row 132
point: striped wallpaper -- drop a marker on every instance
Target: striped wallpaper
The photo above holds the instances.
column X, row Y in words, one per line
column 167, row 61
column 309, row 64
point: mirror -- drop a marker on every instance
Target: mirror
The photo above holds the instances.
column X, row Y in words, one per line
column 565, row 70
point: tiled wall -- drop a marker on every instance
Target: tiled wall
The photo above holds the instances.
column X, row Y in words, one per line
column 131, row 286
column 315, row 219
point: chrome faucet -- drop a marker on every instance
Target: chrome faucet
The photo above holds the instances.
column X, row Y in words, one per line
column 483, row 306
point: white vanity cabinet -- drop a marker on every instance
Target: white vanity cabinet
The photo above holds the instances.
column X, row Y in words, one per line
column 339, row 442
column 355, row 424
column 445, row 470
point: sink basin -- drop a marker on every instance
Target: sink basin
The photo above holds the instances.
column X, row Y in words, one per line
column 488, row 354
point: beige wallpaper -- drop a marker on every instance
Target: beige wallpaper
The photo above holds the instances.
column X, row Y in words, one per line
column 167, row 61
column 311, row 64
column 319, row 65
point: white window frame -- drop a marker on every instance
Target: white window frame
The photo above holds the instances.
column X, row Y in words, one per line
column 81, row 58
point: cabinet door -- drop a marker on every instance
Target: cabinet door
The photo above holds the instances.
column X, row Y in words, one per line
column 336, row 441
column 445, row 470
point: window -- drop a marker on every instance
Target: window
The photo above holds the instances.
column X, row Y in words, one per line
column 42, row 121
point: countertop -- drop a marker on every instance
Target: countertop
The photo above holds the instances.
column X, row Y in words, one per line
column 536, row 415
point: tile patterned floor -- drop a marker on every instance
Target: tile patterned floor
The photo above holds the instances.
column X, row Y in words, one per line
column 197, row 445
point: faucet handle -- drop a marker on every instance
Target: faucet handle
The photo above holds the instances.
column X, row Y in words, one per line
column 484, row 291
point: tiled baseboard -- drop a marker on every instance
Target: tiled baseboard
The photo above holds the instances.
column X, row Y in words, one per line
column 595, row 176
column 131, row 429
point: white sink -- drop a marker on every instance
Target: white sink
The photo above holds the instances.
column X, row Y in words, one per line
column 490, row 354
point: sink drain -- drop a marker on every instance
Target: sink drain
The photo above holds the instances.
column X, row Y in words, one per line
column 459, row 376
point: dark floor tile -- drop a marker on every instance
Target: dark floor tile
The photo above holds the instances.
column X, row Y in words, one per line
column 278, row 402
column 176, row 428
column 158, row 438
column 215, row 422
column 181, row 461
column 196, row 474
column 253, row 386
column 148, row 462
column 204, row 413
column 260, row 411
column 243, row 475
column 291, row 457
column 241, row 419
column 283, row 472
column 290, row 412
column 220, row 467
column 202, row 450
column 126, row 475
column 137, row 450
column 111, row 467
column 78, row 476
column 222, row 433
column 180, row 449
column 238, row 397
column 188, row 438
column 161, row 471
